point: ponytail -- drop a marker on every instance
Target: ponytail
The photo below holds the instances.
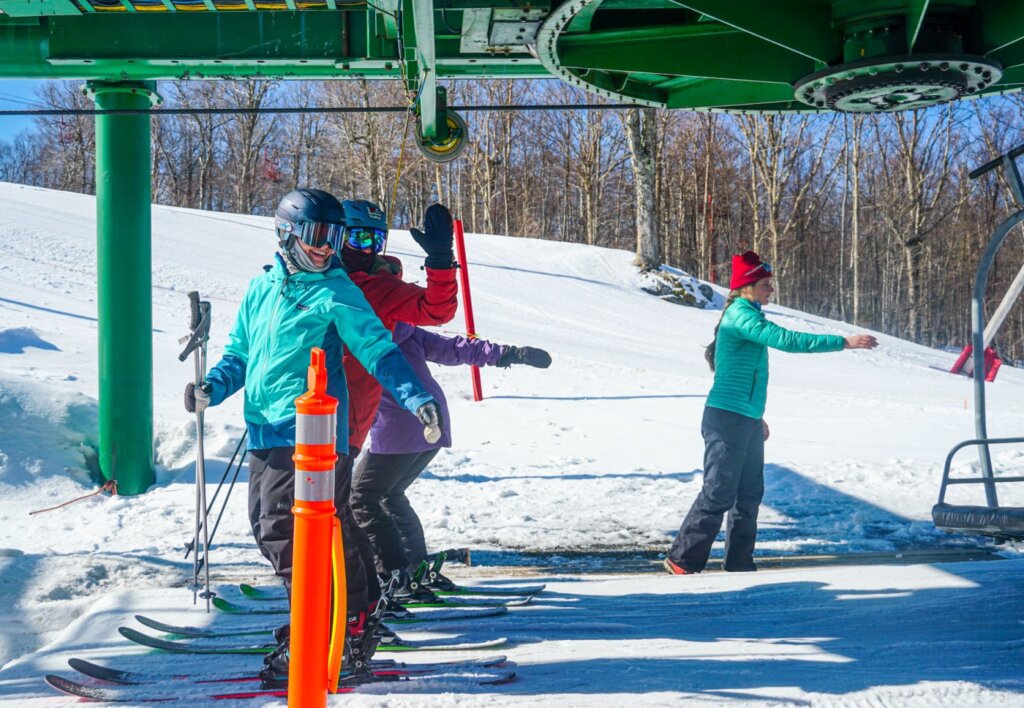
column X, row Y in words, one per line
column 709, row 350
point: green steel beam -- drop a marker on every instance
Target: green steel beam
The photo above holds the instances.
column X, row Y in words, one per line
column 124, row 286
column 708, row 94
column 1010, row 56
column 488, row 4
column 38, row 8
column 128, row 5
column 1001, row 23
column 421, row 58
column 387, row 14
column 812, row 35
column 915, row 16
column 171, row 7
column 704, row 51
column 156, row 46
column 1012, row 78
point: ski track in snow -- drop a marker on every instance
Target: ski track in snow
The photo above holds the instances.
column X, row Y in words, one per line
column 603, row 450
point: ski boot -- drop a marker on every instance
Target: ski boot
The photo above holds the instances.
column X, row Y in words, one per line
column 360, row 644
column 676, row 569
column 274, row 675
column 388, row 606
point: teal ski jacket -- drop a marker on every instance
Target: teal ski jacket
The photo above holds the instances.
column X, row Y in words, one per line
column 282, row 317
column 741, row 356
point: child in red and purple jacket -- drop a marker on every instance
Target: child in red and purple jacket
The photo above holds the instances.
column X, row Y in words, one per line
column 398, row 452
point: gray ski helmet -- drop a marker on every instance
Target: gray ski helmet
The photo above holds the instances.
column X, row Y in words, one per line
column 305, row 205
column 360, row 212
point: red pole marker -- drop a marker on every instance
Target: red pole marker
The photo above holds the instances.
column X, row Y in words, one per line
column 467, row 302
column 315, row 457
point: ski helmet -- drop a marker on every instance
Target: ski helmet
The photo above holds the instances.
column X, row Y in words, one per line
column 365, row 225
column 312, row 215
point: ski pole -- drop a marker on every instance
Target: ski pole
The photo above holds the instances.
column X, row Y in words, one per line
column 224, row 506
column 190, row 546
column 200, row 334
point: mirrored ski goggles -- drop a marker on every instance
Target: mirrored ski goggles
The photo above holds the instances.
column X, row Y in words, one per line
column 361, row 237
column 320, row 233
column 766, row 267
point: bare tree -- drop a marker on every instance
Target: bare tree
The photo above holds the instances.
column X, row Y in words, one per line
column 641, row 131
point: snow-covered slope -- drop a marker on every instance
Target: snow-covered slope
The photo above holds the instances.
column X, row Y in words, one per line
column 603, row 450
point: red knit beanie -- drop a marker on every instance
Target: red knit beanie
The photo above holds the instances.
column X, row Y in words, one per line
column 747, row 269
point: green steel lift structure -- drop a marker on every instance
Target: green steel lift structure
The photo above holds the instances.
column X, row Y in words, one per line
column 730, row 55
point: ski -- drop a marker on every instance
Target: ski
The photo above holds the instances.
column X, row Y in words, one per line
column 119, row 676
column 147, row 694
column 496, row 590
column 197, row 647
column 440, row 645
column 154, row 693
column 457, row 599
column 430, row 615
column 186, row 631
column 146, row 640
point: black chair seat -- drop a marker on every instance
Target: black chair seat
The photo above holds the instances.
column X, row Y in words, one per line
column 1000, row 521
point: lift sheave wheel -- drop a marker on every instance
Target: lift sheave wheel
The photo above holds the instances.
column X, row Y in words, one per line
column 451, row 147
column 897, row 83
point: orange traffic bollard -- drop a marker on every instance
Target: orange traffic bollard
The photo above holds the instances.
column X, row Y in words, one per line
column 315, row 458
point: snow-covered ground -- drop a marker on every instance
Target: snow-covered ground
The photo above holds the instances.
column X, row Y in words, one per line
column 601, row 451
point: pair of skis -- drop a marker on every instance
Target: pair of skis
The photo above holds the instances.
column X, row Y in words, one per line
column 428, row 613
column 193, row 643
column 151, row 687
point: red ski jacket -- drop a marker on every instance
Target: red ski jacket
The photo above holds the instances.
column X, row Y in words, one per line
column 394, row 300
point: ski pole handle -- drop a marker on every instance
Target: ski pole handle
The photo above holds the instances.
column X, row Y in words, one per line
column 193, row 301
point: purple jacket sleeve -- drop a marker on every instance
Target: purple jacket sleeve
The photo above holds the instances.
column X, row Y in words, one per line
column 454, row 351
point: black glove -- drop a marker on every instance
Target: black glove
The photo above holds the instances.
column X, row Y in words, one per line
column 430, row 415
column 197, row 400
column 436, row 237
column 531, row 356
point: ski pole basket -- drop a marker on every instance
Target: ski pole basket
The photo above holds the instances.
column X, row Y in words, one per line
column 1002, row 522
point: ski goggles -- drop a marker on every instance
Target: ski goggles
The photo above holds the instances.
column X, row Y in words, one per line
column 766, row 267
column 362, row 237
column 320, row 233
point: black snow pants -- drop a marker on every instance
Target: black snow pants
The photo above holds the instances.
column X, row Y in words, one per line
column 271, row 497
column 382, row 509
column 733, row 483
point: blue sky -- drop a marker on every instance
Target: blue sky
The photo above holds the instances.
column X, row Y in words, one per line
column 15, row 95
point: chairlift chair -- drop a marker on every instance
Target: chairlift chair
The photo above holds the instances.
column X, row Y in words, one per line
column 1000, row 522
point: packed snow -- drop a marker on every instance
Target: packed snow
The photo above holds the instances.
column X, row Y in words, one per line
column 601, row 452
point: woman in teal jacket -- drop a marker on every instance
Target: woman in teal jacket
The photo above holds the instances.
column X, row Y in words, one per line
column 305, row 300
column 733, row 428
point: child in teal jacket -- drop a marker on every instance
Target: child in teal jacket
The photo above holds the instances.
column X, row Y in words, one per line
column 733, row 428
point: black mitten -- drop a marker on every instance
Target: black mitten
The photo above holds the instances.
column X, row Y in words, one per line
column 436, row 237
column 530, row 356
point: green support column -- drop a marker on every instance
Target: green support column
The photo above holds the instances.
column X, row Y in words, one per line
column 124, row 284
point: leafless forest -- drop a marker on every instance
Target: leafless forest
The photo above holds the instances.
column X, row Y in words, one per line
column 870, row 219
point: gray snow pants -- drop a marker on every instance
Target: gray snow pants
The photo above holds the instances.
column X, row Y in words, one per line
column 271, row 497
column 733, row 483
column 382, row 509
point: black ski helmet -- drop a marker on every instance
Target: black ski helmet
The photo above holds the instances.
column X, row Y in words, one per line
column 305, row 205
